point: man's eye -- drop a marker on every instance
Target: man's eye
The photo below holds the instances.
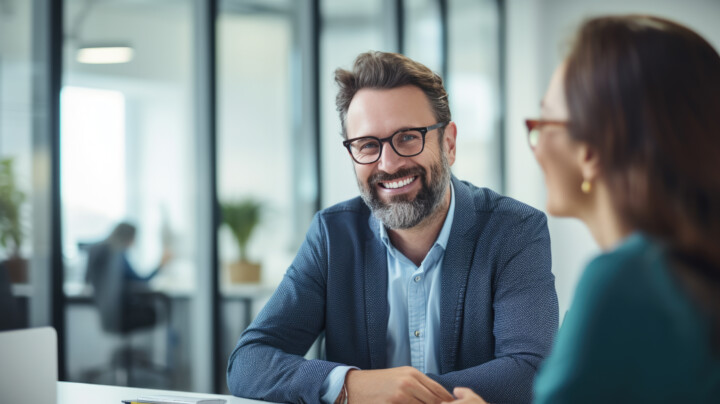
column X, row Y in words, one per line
column 367, row 146
column 409, row 136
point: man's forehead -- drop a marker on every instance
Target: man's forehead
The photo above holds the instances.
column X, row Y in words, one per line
column 381, row 112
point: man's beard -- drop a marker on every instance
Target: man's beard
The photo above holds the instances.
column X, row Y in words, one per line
column 401, row 212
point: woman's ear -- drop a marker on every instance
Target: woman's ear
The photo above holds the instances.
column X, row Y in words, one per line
column 589, row 162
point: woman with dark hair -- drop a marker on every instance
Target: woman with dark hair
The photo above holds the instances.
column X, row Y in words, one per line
column 629, row 142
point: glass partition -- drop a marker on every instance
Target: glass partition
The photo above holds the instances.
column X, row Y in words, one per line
column 473, row 84
column 265, row 154
column 128, row 169
column 22, row 272
column 423, row 33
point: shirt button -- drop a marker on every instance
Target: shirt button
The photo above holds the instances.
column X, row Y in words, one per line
column 417, row 278
column 417, row 333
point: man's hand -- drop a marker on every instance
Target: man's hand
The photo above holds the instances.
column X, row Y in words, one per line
column 396, row 385
column 466, row 396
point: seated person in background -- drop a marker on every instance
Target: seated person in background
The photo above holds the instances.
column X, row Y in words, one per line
column 423, row 283
column 119, row 291
column 629, row 144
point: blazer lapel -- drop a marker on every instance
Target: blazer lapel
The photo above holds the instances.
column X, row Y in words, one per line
column 456, row 267
column 376, row 304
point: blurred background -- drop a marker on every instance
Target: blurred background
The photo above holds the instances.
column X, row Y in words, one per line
column 210, row 127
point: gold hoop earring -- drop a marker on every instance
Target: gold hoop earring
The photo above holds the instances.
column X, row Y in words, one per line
column 586, row 186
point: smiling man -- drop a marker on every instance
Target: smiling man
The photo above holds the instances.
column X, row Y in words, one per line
column 421, row 284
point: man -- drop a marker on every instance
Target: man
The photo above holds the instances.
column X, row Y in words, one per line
column 422, row 284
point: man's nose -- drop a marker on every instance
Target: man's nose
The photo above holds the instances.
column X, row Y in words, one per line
column 389, row 160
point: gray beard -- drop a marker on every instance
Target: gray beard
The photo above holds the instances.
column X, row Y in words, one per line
column 401, row 213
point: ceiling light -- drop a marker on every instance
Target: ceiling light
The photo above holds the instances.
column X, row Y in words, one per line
column 104, row 54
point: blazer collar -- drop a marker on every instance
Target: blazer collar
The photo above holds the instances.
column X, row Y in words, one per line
column 376, row 303
column 458, row 259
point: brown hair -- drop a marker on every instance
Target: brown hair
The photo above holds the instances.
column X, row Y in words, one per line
column 385, row 71
column 645, row 93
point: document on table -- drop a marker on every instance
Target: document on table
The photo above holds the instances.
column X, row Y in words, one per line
column 174, row 400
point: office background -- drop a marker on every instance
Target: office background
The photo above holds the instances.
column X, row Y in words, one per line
column 232, row 101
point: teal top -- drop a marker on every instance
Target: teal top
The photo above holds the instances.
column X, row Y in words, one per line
column 632, row 334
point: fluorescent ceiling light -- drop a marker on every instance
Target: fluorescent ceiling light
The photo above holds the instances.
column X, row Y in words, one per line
column 105, row 54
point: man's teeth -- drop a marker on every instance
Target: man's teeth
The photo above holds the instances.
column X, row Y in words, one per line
column 398, row 184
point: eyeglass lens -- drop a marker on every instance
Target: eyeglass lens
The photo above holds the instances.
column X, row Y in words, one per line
column 406, row 144
column 534, row 136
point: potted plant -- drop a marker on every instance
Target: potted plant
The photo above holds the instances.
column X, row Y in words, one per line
column 242, row 217
column 11, row 231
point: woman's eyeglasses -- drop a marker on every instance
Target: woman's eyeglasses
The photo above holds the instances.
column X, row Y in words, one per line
column 534, row 126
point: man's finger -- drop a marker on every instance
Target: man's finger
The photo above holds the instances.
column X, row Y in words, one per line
column 435, row 388
column 466, row 395
column 424, row 395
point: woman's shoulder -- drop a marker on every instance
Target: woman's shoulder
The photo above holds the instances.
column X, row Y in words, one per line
column 636, row 249
column 635, row 285
column 632, row 333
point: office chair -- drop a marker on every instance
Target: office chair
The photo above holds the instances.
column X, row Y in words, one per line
column 125, row 308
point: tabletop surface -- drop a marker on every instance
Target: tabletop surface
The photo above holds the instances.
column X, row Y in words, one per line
column 80, row 393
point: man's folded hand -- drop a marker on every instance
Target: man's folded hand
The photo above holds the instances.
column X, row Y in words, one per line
column 396, row 385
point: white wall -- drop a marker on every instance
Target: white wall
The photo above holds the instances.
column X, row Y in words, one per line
column 537, row 34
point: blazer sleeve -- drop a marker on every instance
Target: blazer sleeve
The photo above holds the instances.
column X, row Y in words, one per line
column 268, row 362
column 525, row 312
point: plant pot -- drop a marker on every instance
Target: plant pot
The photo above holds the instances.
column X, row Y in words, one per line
column 17, row 269
column 244, row 272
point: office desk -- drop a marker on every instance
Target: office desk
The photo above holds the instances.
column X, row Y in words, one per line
column 79, row 393
column 246, row 294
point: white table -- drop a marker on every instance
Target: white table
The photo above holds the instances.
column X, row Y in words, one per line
column 79, row 393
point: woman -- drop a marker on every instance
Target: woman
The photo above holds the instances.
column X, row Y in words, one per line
column 629, row 143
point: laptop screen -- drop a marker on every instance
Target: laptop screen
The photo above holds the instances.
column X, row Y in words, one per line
column 28, row 365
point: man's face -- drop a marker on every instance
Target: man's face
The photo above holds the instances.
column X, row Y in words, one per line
column 401, row 191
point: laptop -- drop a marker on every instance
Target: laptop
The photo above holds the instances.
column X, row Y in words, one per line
column 28, row 366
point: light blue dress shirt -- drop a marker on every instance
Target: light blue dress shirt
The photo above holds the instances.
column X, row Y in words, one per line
column 413, row 336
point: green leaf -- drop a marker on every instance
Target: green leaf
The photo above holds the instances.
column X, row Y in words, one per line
column 242, row 217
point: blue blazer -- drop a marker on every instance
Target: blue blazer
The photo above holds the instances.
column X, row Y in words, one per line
column 498, row 304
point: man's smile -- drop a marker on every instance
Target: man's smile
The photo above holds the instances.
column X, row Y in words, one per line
column 398, row 183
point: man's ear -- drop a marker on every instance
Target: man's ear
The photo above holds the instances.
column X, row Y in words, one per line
column 449, row 138
column 589, row 162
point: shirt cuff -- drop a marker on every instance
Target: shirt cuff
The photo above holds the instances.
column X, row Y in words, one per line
column 333, row 384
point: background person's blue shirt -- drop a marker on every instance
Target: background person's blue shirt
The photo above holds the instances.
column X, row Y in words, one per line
column 413, row 337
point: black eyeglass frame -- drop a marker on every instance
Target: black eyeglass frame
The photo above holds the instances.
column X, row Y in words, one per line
column 423, row 132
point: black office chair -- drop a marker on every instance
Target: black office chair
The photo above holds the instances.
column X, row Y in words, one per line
column 125, row 308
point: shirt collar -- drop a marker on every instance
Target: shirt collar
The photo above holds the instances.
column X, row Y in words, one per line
column 444, row 232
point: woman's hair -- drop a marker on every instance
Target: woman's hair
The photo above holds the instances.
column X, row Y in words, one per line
column 385, row 70
column 644, row 92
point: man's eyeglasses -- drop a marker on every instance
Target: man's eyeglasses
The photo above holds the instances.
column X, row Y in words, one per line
column 405, row 142
column 535, row 125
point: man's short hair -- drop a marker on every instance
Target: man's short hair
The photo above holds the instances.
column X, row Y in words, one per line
column 383, row 70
